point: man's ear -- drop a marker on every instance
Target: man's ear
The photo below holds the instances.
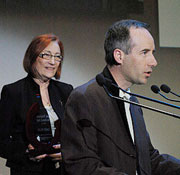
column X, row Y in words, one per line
column 118, row 56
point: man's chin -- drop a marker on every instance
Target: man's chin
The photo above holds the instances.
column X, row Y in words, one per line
column 141, row 82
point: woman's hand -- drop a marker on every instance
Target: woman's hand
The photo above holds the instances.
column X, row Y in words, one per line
column 56, row 156
column 37, row 158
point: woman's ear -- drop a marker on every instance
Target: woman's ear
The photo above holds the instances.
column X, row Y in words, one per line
column 118, row 56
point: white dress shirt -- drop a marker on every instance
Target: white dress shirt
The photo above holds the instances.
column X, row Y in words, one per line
column 128, row 113
column 126, row 96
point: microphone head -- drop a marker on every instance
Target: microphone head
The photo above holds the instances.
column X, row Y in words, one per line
column 165, row 88
column 108, row 82
column 84, row 123
column 100, row 79
column 155, row 89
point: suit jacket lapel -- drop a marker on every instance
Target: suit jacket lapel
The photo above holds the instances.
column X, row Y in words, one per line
column 121, row 136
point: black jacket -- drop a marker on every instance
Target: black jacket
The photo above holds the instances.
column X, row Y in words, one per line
column 16, row 99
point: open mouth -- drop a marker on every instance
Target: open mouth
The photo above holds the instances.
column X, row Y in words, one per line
column 148, row 73
column 50, row 68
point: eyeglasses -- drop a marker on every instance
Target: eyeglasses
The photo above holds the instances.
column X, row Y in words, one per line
column 48, row 56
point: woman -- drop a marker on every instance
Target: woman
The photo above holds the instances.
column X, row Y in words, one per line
column 42, row 61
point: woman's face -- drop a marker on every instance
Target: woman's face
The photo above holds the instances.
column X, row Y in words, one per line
column 47, row 62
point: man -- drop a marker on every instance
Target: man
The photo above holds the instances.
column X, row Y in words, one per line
column 112, row 140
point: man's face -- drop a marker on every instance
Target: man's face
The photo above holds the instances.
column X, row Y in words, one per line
column 137, row 65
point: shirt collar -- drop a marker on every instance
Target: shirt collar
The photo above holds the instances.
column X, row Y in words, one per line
column 124, row 94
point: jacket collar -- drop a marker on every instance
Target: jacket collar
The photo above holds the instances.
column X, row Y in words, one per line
column 54, row 94
column 107, row 74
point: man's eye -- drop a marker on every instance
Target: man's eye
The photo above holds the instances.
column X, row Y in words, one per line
column 145, row 52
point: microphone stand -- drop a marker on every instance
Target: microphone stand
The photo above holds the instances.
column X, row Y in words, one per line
column 147, row 98
column 156, row 90
column 174, row 94
column 168, row 98
column 165, row 88
column 141, row 105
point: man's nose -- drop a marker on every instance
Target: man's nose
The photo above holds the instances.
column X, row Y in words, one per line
column 153, row 61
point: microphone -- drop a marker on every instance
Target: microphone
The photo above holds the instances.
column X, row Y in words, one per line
column 105, row 82
column 165, row 88
column 102, row 81
column 156, row 90
column 82, row 123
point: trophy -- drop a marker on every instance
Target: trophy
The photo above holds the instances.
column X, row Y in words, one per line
column 38, row 132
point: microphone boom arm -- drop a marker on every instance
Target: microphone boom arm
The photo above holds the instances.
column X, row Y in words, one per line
column 148, row 98
column 174, row 94
column 168, row 98
column 141, row 105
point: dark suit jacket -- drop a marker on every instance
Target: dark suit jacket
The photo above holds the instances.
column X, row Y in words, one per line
column 87, row 150
column 16, row 99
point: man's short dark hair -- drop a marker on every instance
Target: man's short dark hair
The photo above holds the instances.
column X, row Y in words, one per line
column 118, row 37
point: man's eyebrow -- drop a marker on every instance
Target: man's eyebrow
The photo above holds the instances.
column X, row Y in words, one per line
column 147, row 50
